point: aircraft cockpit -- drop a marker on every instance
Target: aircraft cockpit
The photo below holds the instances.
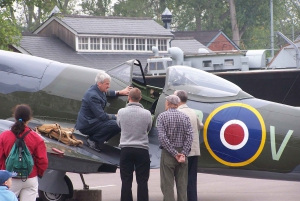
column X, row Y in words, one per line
column 201, row 86
column 199, row 82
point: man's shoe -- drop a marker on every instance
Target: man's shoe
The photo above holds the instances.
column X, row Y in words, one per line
column 94, row 145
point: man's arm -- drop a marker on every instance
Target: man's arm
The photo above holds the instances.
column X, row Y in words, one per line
column 95, row 105
column 150, row 123
column 123, row 92
column 199, row 124
column 119, row 117
column 188, row 137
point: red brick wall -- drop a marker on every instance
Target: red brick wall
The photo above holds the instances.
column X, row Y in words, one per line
column 221, row 43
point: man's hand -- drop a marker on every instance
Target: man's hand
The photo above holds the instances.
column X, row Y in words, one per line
column 125, row 91
column 180, row 158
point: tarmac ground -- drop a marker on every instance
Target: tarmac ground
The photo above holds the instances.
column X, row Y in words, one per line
column 210, row 187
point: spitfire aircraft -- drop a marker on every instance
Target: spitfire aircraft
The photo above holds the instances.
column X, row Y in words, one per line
column 242, row 135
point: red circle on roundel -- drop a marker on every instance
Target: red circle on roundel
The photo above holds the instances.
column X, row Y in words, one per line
column 234, row 134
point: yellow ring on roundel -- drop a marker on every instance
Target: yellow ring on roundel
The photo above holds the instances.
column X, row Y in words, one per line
column 263, row 130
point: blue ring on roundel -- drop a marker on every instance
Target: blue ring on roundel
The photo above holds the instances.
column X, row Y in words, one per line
column 254, row 128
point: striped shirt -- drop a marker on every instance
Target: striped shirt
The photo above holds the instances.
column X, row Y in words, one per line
column 174, row 131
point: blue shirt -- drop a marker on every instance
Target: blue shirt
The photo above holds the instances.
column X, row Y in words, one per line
column 7, row 195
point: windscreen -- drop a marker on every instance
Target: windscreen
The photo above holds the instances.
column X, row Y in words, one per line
column 121, row 72
column 199, row 82
column 137, row 75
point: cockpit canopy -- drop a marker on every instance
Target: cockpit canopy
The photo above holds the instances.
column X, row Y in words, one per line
column 198, row 82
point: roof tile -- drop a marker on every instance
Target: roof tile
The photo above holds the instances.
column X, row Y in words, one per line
column 116, row 26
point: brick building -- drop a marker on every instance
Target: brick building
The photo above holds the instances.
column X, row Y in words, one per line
column 214, row 40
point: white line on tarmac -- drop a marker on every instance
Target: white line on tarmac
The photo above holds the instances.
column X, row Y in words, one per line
column 102, row 186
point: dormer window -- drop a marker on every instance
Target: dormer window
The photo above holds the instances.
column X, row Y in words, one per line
column 106, row 44
column 118, row 43
column 83, row 43
column 150, row 43
column 103, row 44
column 129, row 44
column 95, row 43
column 140, row 44
column 162, row 45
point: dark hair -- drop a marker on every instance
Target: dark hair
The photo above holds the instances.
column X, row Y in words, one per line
column 183, row 96
column 135, row 94
column 22, row 114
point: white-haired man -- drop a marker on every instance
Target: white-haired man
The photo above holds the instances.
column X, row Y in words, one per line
column 175, row 135
column 91, row 119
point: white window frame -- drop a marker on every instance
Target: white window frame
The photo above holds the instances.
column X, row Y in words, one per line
column 97, row 44
column 106, row 43
column 129, row 42
column 119, row 43
column 162, row 45
column 85, row 43
column 150, row 43
column 141, row 44
column 116, row 43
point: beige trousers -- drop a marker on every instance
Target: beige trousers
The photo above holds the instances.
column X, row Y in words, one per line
column 27, row 191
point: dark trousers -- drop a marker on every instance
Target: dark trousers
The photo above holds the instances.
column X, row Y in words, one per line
column 101, row 132
column 134, row 159
column 192, row 178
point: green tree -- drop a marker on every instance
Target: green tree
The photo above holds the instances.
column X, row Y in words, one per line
column 134, row 8
column 31, row 13
column 96, row 7
column 4, row 3
column 9, row 32
column 285, row 20
column 198, row 14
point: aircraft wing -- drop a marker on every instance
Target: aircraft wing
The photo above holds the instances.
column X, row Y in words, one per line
column 75, row 159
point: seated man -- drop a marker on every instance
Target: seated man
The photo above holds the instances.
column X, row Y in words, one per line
column 92, row 120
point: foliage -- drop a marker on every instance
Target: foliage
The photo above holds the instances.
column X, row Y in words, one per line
column 31, row 13
column 96, row 7
column 135, row 8
column 196, row 14
column 253, row 17
column 9, row 32
column 4, row 3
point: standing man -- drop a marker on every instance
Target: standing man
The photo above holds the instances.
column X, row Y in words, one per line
column 135, row 123
column 91, row 119
column 195, row 149
column 175, row 135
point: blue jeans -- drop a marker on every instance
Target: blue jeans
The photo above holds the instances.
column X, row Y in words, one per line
column 103, row 131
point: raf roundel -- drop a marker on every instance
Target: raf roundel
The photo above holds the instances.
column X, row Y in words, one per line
column 235, row 134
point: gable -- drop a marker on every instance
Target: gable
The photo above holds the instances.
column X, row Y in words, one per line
column 221, row 43
column 58, row 30
column 215, row 40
